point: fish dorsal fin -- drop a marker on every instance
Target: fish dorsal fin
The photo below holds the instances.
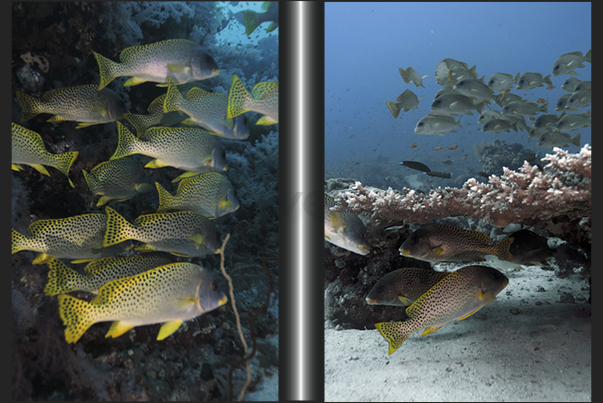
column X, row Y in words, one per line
column 150, row 219
column 261, row 89
column 196, row 93
column 111, row 289
column 128, row 53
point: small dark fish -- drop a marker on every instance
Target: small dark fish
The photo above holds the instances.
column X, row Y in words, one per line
column 438, row 174
column 447, row 162
column 531, row 157
column 416, row 165
column 453, row 147
column 485, row 175
column 414, row 145
column 529, row 248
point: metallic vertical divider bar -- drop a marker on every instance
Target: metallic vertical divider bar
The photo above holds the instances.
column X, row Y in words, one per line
column 301, row 179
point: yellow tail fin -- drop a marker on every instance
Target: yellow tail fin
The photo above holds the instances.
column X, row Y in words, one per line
column 61, row 279
column 106, row 69
column 394, row 333
column 30, row 106
column 64, row 161
column 237, row 96
column 118, row 228
column 165, row 198
column 18, row 242
column 126, row 142
column 173, row 98
column 75, row 314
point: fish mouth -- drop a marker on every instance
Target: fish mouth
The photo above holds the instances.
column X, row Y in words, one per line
column 404, row 252
column 223, row 300
column 371, row 301
column 365, row 250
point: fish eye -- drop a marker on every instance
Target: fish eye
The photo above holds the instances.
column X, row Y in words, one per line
column 214, row 286
column 419, row 124
column 557, row 67
column 491, row 82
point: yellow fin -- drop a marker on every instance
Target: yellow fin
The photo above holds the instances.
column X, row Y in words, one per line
column 118, row 328
column 16, row 167
column 178, row 68
column 145, row 248
column 75, row 314
column 134, row 81
column 393, row 333
column 486, row 297
column 197, row 238
column 431, row 329
column 168, row 328
column 61, row 278
column 187, row 174
column 40, row 168
column 470, row 313
column 405, row 300
column 56, row 119
column 179, row 254
column 438, row 251
column 100, row 110
column 237, row 97
column 85, row 124
column 266, row 120
column 336, row 220
column 156, row 163
column 81, row 261
column 41, row 258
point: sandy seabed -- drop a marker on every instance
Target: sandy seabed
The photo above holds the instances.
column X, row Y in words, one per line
column 527, row 345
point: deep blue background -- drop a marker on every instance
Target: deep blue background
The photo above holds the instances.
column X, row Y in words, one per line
column 366, row 43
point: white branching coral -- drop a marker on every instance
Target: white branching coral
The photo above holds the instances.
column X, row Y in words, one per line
column 562, row 188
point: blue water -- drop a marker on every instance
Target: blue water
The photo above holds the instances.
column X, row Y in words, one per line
column 366, row 43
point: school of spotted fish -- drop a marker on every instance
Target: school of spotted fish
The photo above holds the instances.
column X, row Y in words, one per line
column 463, row 91
column 435, row 298
column 149, row 287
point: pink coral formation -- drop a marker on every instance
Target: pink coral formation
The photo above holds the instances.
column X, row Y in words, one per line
column 562, row 189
